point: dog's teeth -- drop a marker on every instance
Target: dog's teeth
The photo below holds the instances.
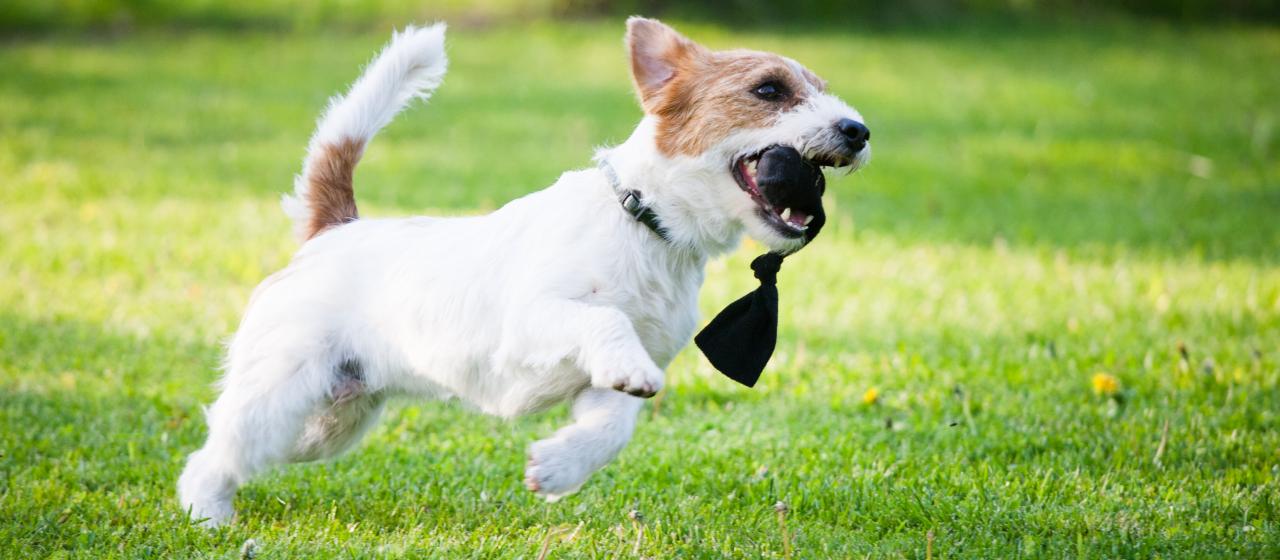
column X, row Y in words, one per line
column 808, row 219
column 786, row 214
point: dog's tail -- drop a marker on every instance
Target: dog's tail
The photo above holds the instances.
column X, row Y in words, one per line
column 411, row 66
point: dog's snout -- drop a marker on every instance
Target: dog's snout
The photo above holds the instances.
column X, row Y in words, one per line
column 855, row 133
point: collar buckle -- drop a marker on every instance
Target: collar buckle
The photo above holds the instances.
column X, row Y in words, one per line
column 633, row 202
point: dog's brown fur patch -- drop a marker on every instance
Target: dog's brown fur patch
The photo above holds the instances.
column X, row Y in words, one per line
column 330, row 193
column 711, row 96
column 706, row 95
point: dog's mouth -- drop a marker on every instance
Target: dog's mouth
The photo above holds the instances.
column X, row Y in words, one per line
column 786, row 187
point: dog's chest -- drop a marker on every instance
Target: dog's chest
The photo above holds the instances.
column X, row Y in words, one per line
column 663, row 308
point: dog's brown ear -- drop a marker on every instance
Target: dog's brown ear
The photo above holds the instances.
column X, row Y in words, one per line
column 658, row 53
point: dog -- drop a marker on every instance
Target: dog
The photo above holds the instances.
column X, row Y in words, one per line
column 565, row 293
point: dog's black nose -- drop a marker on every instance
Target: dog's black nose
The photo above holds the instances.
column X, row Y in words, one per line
column 855, row 133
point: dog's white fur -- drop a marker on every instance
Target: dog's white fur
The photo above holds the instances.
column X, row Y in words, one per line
column 557, row 295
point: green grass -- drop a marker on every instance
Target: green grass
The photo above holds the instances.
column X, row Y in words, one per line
column 1044, row 204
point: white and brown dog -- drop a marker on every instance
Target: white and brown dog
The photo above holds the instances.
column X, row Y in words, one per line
column 558, row 295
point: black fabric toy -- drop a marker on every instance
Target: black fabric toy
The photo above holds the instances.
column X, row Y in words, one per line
column 740, row 340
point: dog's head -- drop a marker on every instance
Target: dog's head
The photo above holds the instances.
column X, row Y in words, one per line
column 757, row 125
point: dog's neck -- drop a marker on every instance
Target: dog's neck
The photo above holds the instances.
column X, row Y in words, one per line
column 692, row 217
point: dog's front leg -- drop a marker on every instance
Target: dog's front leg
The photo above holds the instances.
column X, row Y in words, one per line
column 603, row 420
column 600, row 339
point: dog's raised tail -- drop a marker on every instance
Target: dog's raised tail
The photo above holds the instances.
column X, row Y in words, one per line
column 411, row 66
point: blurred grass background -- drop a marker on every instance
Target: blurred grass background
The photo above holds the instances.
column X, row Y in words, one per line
column 1061, row 193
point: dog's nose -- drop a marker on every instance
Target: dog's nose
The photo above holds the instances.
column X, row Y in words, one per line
column 855, row 133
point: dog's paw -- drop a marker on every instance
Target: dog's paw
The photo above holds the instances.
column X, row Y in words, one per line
column 208, row 511
column 205, row 492
column 211, row 516
column 640, row 381
column 554, row 470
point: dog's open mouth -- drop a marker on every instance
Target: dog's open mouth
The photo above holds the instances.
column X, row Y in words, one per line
column 786, row 187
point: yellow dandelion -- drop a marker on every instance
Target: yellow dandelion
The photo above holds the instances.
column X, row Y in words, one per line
column 871, row 396
column 1105, row 384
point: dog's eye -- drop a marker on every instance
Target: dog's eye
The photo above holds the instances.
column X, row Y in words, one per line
column 770, row 91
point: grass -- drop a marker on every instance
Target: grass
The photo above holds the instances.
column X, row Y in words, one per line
column 1045, row 204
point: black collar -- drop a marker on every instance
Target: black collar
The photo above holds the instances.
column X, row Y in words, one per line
column 633, row 202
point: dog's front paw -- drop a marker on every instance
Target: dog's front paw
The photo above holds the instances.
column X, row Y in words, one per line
column 640, row 381
column 554, row 470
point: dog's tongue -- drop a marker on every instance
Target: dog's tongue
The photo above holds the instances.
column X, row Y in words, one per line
column 788, row 181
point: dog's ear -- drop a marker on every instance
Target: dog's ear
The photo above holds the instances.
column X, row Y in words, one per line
column 658, row 53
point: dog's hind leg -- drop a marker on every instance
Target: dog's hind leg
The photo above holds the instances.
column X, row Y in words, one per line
column 256, row 422
column 603, row 421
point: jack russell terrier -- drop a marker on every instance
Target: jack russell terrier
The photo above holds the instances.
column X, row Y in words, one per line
column 585, row 290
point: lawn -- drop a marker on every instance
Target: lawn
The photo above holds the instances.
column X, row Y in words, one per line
column 1046, row 204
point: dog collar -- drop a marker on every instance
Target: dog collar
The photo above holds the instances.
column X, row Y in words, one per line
column 633, row 202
